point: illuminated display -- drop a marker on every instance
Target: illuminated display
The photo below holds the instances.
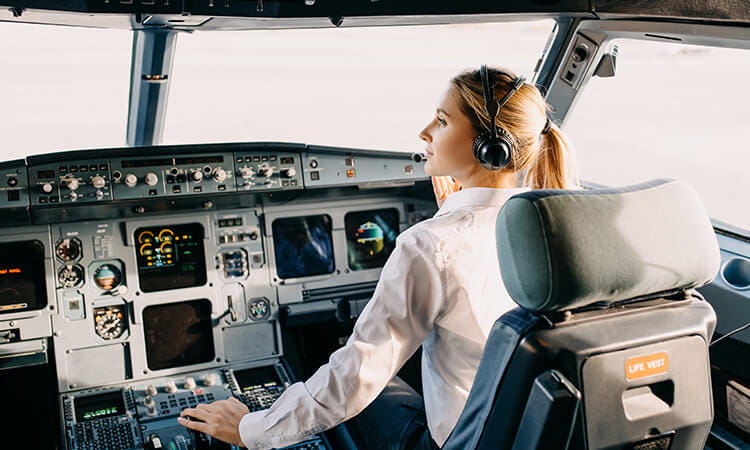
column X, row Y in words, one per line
column 170, row 257
column 251, row 379
column 99, row 406
column 178, row 334
column 22, row 276
column 370, row 237
column 303, row 246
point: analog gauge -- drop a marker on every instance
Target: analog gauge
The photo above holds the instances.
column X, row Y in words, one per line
column 166, row 235
column 109, row 322
column 68, row 249
column 70, row 276
column 146, row 249
column 107, row 277
column 146, row 237
column 259, row 308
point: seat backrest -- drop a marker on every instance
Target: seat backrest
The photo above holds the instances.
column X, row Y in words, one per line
column 609, row 349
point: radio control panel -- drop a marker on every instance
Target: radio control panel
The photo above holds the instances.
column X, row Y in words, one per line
column 261, row 171
column 84, row 181
column 172, row 176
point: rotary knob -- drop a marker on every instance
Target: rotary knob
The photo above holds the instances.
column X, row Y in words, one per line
column 47, row 188
column 152, row 391
column 288, row 172
column 209, row 379
column 219, row 174
column 265, row 171
column 170, row 387
column 98, row 181
column 71, row 183
column 150, row 179
column 190, row 383
column 130, row 180
column 149, row 401
column 246, row 172
column 196, row 176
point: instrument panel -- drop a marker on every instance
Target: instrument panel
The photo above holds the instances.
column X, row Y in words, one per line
column 150, row 311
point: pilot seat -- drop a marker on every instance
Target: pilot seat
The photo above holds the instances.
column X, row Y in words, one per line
column 609, row 348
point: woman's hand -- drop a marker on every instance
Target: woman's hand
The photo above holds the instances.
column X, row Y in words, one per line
column 443, row 187
column 220, row 419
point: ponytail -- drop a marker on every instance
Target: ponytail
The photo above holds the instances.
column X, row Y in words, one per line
column 553, row 166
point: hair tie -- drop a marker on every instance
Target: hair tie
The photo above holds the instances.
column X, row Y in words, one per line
column 547, row 126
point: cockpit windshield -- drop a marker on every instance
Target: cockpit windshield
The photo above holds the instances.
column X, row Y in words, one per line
column 358, row 87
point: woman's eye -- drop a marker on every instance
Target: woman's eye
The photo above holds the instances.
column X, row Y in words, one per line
column 442, row 122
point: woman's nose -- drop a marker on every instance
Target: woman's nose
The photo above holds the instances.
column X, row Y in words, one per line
column 425, row 136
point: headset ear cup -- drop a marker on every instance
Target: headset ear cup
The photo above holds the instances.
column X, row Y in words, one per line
column 492, row 152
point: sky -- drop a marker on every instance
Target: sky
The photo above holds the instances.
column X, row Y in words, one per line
column 672, row 110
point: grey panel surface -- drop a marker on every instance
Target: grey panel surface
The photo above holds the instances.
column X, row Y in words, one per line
column 322, row 169
column 252, row 341
column 96, row 365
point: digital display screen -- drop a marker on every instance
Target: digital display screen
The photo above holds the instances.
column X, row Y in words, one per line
column 128, row 164
column 170, row 257
column 249, row 379
column 178, row 334
column 303, row 246
column 22, row 276
column 99, row 406
column 200, row 160
column 42, row 174
column 370, row 237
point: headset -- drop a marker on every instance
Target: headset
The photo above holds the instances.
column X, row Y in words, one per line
column 493, row 148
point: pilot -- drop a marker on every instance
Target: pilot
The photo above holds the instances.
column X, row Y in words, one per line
column 440, row 288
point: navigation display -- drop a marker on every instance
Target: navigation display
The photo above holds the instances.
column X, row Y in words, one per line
column 178, row 334
column 22, row 276
column 303, row 246
column 370, row 237
column 99, row 406
column 170, row 257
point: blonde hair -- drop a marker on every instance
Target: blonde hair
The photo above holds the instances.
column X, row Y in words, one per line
column 545, row 160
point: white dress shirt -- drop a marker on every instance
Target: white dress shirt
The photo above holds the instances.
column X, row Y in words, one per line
column 440, row 288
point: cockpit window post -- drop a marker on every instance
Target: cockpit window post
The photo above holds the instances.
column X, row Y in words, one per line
column 151, row 64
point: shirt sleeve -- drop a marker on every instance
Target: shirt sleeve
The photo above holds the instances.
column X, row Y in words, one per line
column 394, row 323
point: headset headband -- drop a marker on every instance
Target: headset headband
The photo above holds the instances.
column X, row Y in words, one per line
column 490, row 104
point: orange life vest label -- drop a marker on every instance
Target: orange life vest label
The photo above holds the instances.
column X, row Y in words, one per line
column 646, row 366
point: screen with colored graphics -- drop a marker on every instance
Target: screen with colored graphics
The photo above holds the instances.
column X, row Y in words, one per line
column 170, row 257
column 370, row 237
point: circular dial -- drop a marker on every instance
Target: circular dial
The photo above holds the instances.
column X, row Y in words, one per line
column 109, row 322
column 107, row 277
column 259, row 308
column 68, row 249
column 70, row 276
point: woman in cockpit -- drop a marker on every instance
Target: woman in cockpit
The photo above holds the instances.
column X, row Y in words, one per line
column 440, row 288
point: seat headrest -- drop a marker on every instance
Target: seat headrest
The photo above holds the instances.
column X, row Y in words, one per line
column 564, row 249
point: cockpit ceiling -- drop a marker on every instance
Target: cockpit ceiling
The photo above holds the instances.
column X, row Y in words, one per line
column 276, row 14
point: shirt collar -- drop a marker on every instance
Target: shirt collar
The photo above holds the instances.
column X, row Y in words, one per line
column 478, row 196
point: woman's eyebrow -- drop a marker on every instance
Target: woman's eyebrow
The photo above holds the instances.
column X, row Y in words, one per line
column 440, row 110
